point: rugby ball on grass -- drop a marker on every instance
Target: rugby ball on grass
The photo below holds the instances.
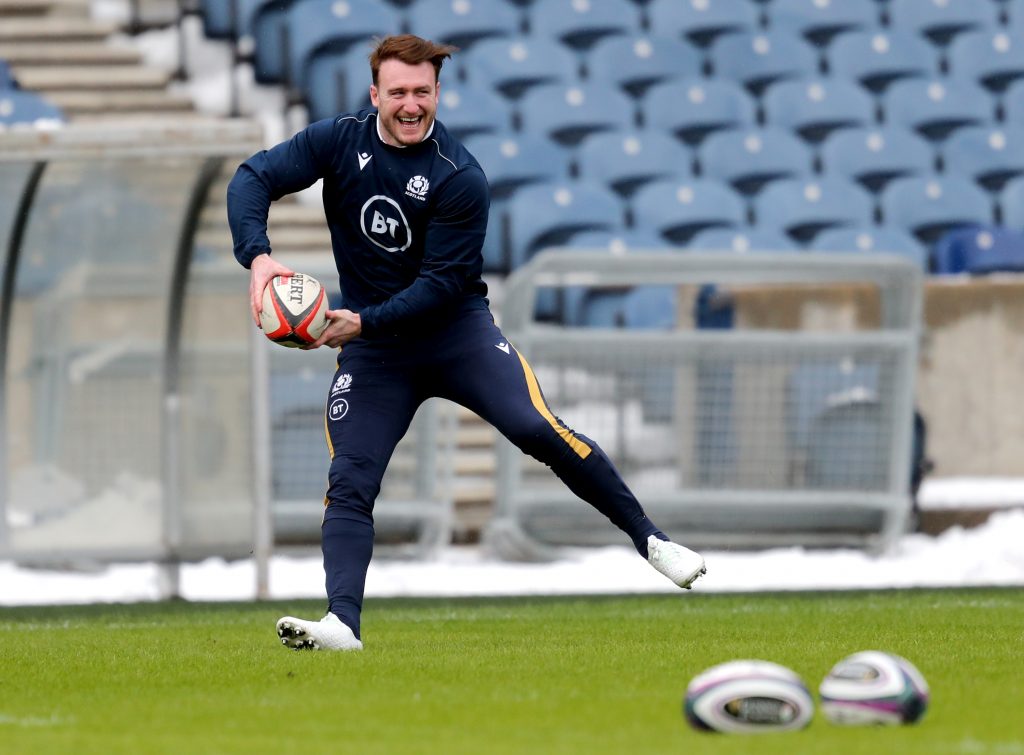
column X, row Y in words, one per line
column 748, row 697
column 872, row 687
column 294, row 310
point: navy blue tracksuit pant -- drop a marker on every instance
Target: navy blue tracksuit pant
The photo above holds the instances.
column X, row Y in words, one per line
column 374, row 395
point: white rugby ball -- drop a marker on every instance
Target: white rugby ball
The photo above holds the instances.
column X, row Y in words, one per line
column 872, row 687
column 294, row 310
column 747, row 697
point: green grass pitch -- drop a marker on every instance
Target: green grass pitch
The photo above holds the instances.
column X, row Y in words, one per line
column 539, row 675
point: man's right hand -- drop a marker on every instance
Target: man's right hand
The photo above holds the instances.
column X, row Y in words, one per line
column 263, row 269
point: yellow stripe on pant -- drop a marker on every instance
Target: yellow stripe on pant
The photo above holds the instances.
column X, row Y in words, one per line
column 581, row 448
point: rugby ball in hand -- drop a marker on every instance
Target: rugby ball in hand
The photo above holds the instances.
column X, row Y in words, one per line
column 872, row 687
column 294, row 310
column 748, row 697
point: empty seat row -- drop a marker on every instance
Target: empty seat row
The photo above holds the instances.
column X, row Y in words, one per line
column 793, row 213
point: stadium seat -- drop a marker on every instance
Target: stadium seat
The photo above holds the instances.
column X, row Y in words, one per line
column 819, row 21
column 874, row 240
column 511, row 66
column 513, row 160
column 942, row 20
column 636, row 63
column 991, row 156
column 815, row 108
column 993, row 59
column 979, row 250
column 936, row 107
column 878, row 58
column 326, row 26
column 626, row 160
column 804, row 208
column 463, row 23
column 701, row 22
column 760, row 59
column 751, row 158
column 570, row 113
column 337, row 82
column 742, row 241
column 1011, row 201
column 874, row 157
column 1013, row 104
column 928, row 206
column 7, row 79
column 581, row 24
column 268, row 26
column 678, row 210
column 693, row 108
column 466, row 110
column 22, row 107
column 549, row 214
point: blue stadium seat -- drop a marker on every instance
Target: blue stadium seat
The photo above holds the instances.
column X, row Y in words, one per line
column 326, row 26
column 1011, row 200
column 337, row 82
column 570, row 113
column 994, row 59
column 991, row 156
column 980, row 249
column 651, row 307
column 466, row 110
column 742, row 241
column 549, row 214
column 463, row 23
column 819, row 22
column 937, row 107
column 815, row 108
column 626, row 160
column 804, row 208
column 930, row 206
column 873, row 240
column 22, row 107
column 7, row 79
column 513, row 160
column 678, row 210
column 874, row 157
column 636, row 63
column 760, row 59
column 701, row 22
column 878, row 58
column 751, row 158
column 942, row 20
column 511, row 66
column 581, row 24
column 1013, row 104
column 693, row 108
column 269, row 24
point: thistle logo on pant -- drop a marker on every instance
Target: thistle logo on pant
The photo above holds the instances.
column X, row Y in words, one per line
column 383, row 223
column 337, row 409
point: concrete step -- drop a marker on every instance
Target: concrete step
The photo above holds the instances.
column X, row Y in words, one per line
column 90, row 78
column 116, row 103
column 54, row 29
column 88, row 53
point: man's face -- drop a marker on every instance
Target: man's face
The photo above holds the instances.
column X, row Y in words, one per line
column 406, row 100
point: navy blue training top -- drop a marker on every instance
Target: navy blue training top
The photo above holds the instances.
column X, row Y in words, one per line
column 407, row 223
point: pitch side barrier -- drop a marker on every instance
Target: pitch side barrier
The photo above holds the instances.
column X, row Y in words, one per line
column 750, row 433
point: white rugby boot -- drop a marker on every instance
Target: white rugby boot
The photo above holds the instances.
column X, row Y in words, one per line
column 330, row 633
column 679, row 564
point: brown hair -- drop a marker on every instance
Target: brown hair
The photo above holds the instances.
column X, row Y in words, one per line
column 409, row 49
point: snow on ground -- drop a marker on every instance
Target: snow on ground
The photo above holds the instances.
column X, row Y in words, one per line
column 987, row 555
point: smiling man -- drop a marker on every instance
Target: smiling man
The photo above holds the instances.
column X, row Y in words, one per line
column 407, row 208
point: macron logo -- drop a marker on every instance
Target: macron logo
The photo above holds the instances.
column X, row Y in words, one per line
column 364, row 157
column 503, row 346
